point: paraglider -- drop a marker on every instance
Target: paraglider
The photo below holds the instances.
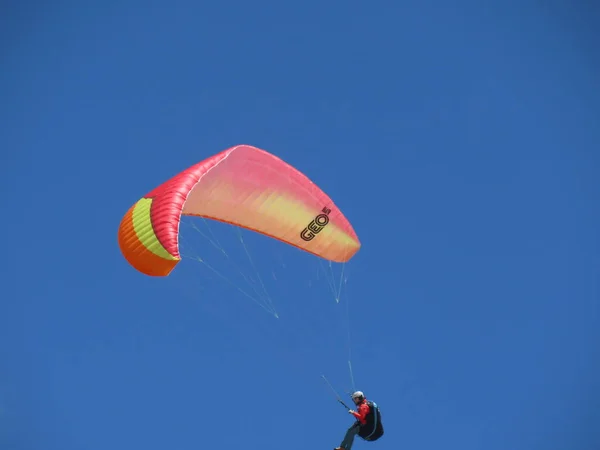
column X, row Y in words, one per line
column 243, row 186
column 368, row 424
column 249, row 188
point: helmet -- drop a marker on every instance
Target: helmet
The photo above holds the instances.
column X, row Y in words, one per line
column 358, row 394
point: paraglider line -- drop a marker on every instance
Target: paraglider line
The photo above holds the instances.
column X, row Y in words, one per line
column 267, row 306
column 339, row 399
column 349, row 334
column 224, row 278
column 351, row 375
column 267, row 296
column 339, row 291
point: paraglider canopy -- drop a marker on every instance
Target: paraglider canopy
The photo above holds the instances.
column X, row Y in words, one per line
column 243, row 186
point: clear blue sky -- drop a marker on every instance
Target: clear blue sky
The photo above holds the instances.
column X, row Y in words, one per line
column 460, row 138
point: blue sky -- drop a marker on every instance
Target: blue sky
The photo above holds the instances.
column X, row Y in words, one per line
column 460, row 139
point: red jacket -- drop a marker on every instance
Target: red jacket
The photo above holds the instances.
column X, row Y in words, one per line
column 362, row 411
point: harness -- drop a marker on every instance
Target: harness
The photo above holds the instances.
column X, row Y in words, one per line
column 373, row 429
